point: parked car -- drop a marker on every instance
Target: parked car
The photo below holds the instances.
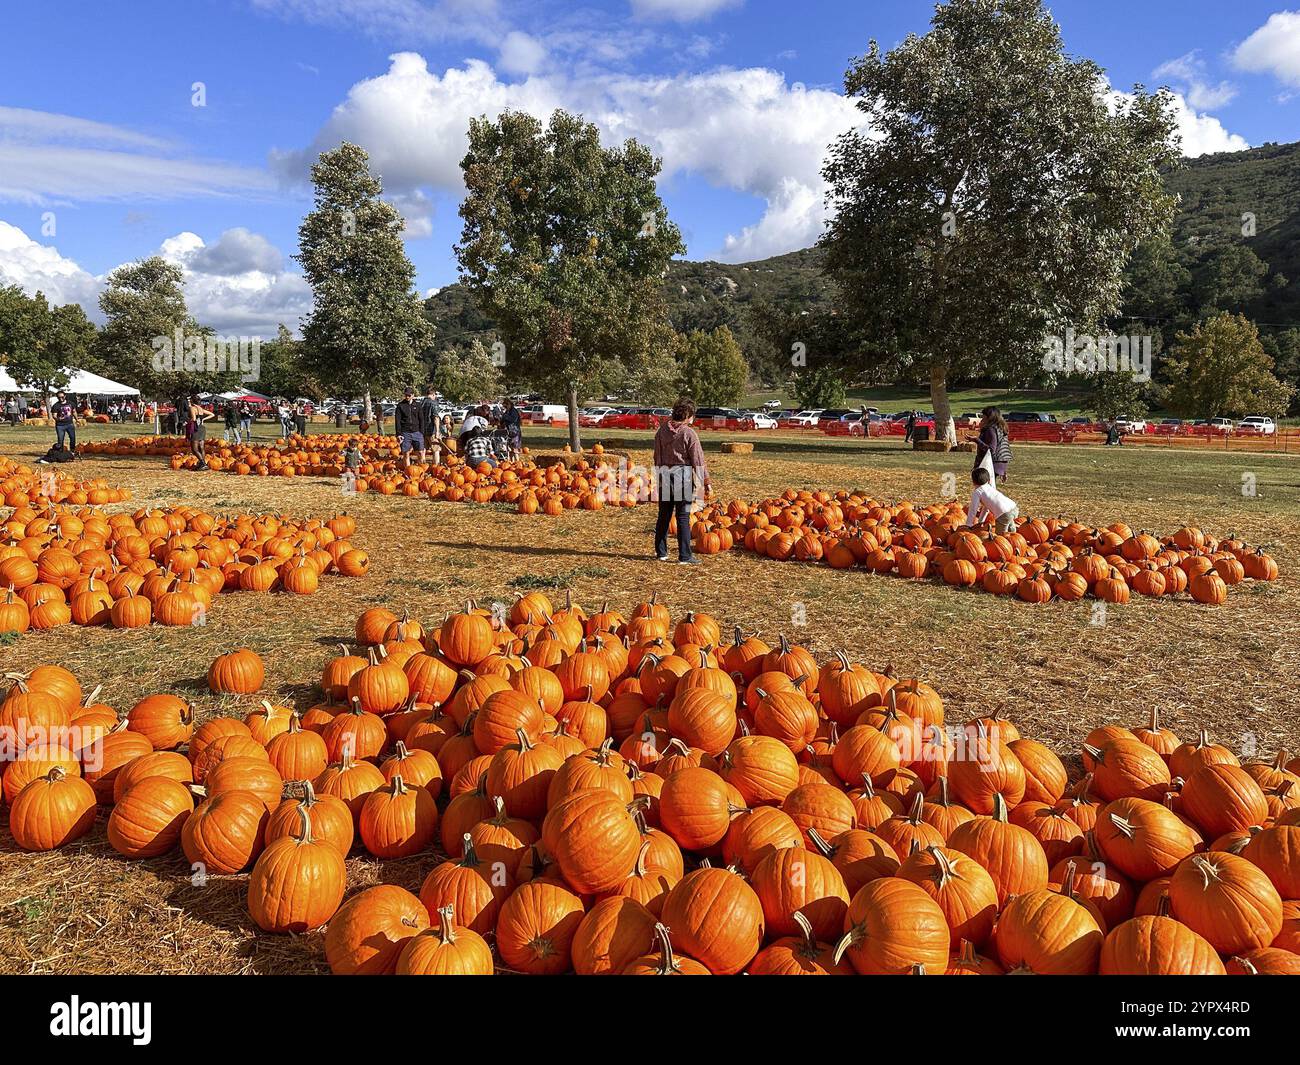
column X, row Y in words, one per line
column 1080, row 421
column 1257, row 423
column 716, row 413
column 758, row 419
column 806, row 417
column 772, row 405
column 1127, row 424
column 1030, row 416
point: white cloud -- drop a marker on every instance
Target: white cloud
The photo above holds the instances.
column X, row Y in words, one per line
column 681, row 10
column 408, row 20
column 521, row 54
column 238, row 285
column 48, row 158
column 1188, row 74
column 1199, row 134
column 36, row 267
column 747, row 130
column 1274, row 48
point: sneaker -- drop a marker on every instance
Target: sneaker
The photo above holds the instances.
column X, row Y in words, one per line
column 661, row 558
column 689, row 562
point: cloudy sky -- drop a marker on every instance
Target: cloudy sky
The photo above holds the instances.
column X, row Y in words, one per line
column 188, row 129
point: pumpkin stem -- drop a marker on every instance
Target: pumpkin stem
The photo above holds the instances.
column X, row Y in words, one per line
column 999, row 807
column 470, row 858
column 304, row 824
column 447, row 923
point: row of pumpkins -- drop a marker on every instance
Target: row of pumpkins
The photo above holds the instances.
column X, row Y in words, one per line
column 71, row 564
column 602, row 793
column 1039, row 561
column 584, row 482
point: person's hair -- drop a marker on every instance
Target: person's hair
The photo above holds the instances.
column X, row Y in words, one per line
column 409, row 390
column 508, row 403
column 979, row 475
column 683, row 409
column 992, row 416
column 194, row 398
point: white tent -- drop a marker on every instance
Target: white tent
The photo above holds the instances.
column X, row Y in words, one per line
column 80, row 383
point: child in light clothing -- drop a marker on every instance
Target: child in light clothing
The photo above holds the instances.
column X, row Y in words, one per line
column 986, row 500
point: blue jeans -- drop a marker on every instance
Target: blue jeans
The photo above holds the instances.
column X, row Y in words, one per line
column 70, row 431
column 667, row 508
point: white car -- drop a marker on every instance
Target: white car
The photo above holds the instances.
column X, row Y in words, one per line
column 807, row 417
column 760, row 420
column 1125, row 424
column 1257, row 423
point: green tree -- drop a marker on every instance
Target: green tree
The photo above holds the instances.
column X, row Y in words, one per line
column 366, row 329
column 1117, row 393
column 820, row 388
column 467, row 374
column 286, row 370
column 564, row 246
column 149, row 339
column 712, row 367
column 1220, row 368
column 995, row 197
column 26, row 341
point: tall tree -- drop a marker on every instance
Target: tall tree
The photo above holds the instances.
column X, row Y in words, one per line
column 466, row 374
column 713, row 368
column 1220, row 368
column 26, row 328
column 564, row 246
column 1117, row 393
column 993, row 197
column 149, row 339
column 366, row 330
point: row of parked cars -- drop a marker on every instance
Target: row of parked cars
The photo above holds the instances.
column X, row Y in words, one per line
column 1258, row 424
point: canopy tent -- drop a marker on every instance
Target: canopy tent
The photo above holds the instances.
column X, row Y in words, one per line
column 80, row 383
column 247, row 395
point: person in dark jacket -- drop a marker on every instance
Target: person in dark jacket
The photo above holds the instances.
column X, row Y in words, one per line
column 994, row 441
column 431, row 425
column 678, row 466
column 909, row 427
column 64, row 422
column 409, row 427
column 513, row 425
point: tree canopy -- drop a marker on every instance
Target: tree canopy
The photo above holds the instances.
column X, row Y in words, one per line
column 711, row 367
column 1220, row 368
column 564, row 246
column 992, row 196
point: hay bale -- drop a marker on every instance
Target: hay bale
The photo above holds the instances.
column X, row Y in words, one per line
column 732, row 447
column 929, row 445
column 965, row 445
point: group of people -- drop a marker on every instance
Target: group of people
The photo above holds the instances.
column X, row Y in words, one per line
column 484, row 435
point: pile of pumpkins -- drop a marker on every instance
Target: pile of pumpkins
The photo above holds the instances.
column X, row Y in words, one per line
column 1041, row 560
column 71, row 564
column 587, row 481
column 629, row 794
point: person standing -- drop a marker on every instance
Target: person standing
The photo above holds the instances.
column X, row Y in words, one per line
column 408, row 427
column 678, row 466
column 513, row 425
column 245, row 422
column 64, row 414
column 994, row 441
column 11, row 410
column 231, row 425
column 198, row 418
column 300, row 417
column 431, row 425
column 909, row 427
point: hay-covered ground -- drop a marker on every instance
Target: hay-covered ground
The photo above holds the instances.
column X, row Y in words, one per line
column 1052, row 668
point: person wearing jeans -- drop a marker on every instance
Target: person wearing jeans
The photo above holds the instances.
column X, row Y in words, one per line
column 64, row 423
column 678, row 465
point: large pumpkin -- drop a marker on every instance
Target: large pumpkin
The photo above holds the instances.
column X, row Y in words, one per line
column 1227, row 900
column 716, row 918
column 893, row 928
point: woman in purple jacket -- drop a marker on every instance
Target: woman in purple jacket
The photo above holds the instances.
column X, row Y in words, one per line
column 678, row 467
column 994, row 440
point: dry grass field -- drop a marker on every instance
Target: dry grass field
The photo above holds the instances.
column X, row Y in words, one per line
column 1050, row 668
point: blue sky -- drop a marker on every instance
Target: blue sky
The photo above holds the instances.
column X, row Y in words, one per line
column 105, row 158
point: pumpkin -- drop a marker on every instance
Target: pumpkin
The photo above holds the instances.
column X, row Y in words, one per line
column 695, row 808
column 148, row 819
column 798, row 955
column 297, row 883
column 52, row 811
column 536, row 928
column 239, row 672
column 1157, row 945
column 397, row 821
column 1125, row 766
column 226, row 832
column 985, row 768
column 1144, row 839
column 1048, row 933
column 1227, row 900
column 894, row 928
column 593, row 838
column 447, row 949
column 1223, row 798
column 761, row 768
column 960, row 885
column 792, row 880
column 164, row 720
column 1011, row 855
column 520, row 775
column 716, row 918
column 475, row 886
column 369, row 931
column 613, row 934
column 1276, row 851
column 755, row 833
column 666, row 962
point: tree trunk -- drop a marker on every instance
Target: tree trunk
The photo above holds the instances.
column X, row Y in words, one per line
column 367, row 412
column 575, row 439
column 943, row 426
